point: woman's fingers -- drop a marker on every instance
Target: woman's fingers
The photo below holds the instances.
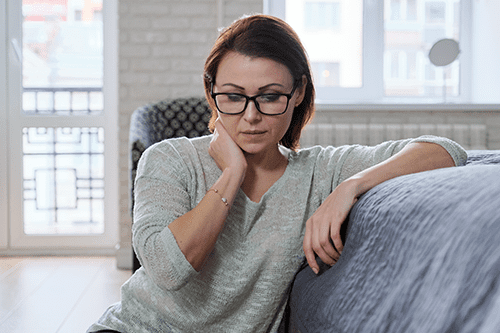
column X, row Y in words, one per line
column 322, row 237
column 224, row 150
column 322, row 244
column 308, row 249
column 317, row 241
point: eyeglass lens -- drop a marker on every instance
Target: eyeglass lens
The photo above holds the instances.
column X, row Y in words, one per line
column 266, row 103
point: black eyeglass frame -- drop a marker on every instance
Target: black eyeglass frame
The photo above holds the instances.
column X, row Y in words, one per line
column 254, row 99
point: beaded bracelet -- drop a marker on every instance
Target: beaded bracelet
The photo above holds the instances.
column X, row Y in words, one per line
column 224, row 200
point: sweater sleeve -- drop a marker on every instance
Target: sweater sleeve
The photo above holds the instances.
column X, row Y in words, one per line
column 162, row 194
column 360, row 158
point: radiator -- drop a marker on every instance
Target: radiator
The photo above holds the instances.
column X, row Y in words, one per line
column 469, row 136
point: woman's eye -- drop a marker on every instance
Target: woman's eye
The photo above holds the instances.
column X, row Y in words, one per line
column 234, row 97
column 269, row 98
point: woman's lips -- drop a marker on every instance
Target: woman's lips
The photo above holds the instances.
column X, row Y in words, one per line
column 253, row 132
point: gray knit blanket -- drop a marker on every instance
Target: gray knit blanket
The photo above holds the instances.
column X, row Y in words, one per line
column 422, row 254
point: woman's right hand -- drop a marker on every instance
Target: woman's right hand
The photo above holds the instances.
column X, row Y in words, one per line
column 225, row 152
column 197, row 230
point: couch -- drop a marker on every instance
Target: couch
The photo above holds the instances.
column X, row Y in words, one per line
column 422, row 254
column 422, row 251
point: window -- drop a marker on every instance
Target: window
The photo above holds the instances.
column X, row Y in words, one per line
column 327, row 74
column 403, row 10
column 63, row 180
column 322, row 15
column 435, row 12
column 63, row 77
column 323, row 26
column 378, row 51
column 411, row 10
column 395, row 10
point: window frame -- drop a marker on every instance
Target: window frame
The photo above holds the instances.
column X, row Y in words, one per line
column 4, row 215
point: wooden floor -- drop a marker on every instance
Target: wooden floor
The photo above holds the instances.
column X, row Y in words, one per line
column 56, row 294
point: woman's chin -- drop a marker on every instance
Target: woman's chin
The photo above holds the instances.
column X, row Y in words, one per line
column 250, row 150
column 255, row 149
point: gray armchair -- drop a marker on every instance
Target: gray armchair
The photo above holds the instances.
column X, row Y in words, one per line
column 166, row 119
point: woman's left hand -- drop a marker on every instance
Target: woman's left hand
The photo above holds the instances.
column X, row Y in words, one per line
column 322, row 235
column 325, row 223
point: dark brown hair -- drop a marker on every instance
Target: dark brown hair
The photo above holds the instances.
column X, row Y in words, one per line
column 263, row 36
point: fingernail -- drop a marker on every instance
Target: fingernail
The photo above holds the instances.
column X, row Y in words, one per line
column 315, row 270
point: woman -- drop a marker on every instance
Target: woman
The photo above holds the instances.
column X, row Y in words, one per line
column 223, row 222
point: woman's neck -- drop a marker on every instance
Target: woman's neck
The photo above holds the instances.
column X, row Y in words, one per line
column 271, row 160
column 262, row 172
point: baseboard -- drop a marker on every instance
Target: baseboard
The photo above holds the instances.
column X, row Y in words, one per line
column 124, row 257
column 36, row 252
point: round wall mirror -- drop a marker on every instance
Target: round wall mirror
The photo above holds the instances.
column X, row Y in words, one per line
column 444, row 52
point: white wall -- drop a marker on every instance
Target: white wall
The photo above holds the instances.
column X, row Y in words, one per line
column 162, row 49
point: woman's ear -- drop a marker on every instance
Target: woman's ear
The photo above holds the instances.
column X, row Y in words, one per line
column 301, row 91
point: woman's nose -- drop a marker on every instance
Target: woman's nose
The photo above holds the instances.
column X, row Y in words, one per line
column 251, row 113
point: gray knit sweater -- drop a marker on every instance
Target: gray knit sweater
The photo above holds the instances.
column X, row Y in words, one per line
column 244, row 284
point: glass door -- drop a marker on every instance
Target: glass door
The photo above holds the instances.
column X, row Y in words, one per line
column 59, row 126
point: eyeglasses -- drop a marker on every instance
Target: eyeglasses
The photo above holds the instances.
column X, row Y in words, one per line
column 272, row 104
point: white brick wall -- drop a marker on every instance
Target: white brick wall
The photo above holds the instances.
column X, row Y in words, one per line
column 162, row 50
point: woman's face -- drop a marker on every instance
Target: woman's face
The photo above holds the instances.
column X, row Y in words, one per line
column 253, row 131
